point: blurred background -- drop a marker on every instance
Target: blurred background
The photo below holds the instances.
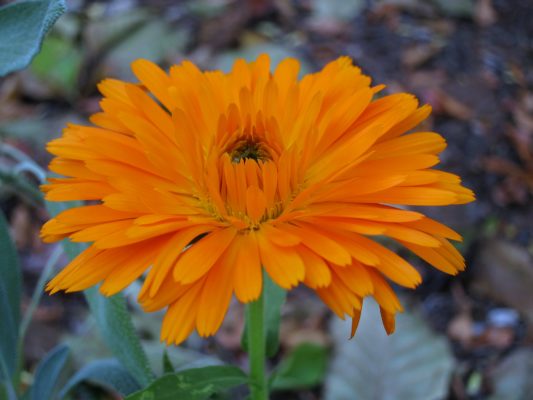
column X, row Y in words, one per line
column 466, row 337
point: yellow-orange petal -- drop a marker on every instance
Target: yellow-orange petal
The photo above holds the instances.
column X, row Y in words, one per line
column 247, row 272
column 198, row 259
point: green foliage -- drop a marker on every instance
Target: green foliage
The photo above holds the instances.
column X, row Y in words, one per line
column 48, row 373
column 274, row 297
column 113, row 319
column 304, row 367
column 8, row 338
column 58, row 64
column 119, row 334
column 108, row 373
column 192, row 384
column 10, row 284
column 22, row 28
column 168, row 368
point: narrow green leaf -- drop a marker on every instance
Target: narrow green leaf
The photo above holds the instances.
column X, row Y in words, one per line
column 22, row 28
column 304, row 367
column 48, row 373
column 113, row 319
column 192, row 384
column 274, row 297
column 10, row 284
column 8, row 338
column 7, row 391
column 108, row 373
column 168, row 368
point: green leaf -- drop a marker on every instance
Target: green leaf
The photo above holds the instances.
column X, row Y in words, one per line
column 7, row 392
column 22, row 28
column 58, row 64
column 10, row 284
column 108, row 373
column 192, row 384
column 274, row 297
column 304, row 367
column 119, row 334
column 168, row 368
column 8, row 338
column 113, row 320
column 48, row 373
column 413, row 363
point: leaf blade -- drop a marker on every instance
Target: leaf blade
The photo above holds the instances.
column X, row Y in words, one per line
column 108, row 373
column 10, row 291
column 48, row 373
column 304, row 367
column 119, row 334
column 22, row 28
column 192, row 384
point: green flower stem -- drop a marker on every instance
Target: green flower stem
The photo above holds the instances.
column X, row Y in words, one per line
column 257, row 348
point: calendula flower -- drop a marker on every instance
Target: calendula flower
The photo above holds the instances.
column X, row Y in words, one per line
column 204, row 179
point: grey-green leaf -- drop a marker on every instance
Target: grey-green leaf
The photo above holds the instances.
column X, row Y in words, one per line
column 192, row 384
column 48, row 373
column 413, row 363
column 7, row 392
column 23, row 26
column 108, row 373
column 113, row 320
column 10, row 283
column 511, row 378
column 304, row 367
column 8, row 337
column 117, row 330
column 274, row 297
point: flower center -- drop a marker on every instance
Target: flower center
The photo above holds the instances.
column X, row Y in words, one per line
column 249, row 149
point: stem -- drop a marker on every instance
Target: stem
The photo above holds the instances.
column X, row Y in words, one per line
column 256, row 348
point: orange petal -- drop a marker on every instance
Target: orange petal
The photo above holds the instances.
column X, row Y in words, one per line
column 355, row 321
column 284, row 265
column 201, row 256
column 247, row 274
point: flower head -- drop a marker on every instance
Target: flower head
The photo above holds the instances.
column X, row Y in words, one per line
column 202, row 179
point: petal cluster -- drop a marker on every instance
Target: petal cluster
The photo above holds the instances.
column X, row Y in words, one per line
column 200, row 180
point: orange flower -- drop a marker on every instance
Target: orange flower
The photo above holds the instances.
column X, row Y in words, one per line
column 205, row 178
